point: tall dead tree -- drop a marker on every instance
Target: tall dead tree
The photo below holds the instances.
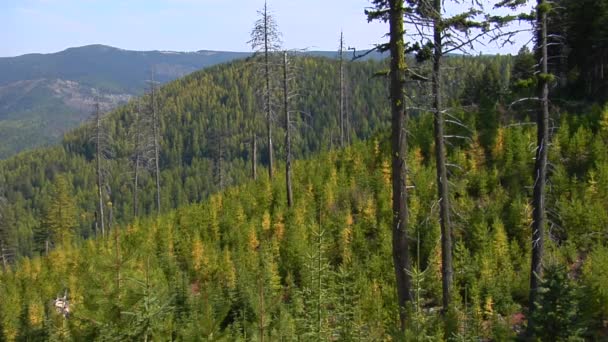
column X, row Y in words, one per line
column 265, row 41
column 153, row 110
column 254, row 156
column 440, row 35
column 219, row 133
column 440, row 159
column 393, row 12
column 137, row 159
column 99, row 156
column 143, row 150
column 286, row 107
column 543, row 78
column 542, row 150
column 342, row 91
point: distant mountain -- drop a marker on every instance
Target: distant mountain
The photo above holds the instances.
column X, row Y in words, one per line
column 107, row 68
column 43, row 95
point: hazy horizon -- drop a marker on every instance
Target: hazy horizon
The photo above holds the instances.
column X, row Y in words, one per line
column 49, row 26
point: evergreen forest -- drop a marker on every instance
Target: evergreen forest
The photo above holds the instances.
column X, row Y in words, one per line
column 432, row 195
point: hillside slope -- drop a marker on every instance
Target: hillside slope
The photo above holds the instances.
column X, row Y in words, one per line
column 207, row 120
column 243, row 266
column 195, row 112
column 44, row 95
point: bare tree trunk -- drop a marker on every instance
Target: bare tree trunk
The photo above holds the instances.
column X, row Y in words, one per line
column 440, row 156
column 137, row 163
column 135, row 189
column 287, row 133
column 4, row 262
column 342, row 89
column 98, row 166
column 401, row 257
column 540, row 167
column 156, row 146
column 254, row 157
column 118, row 263
column 268, row 92
column 220, row 160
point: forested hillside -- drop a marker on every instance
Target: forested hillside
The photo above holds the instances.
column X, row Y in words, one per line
column 428, row 196
column 44, row 95
column 206, row 123
column 242, row 265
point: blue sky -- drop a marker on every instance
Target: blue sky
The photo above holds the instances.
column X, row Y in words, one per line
column 45, row 26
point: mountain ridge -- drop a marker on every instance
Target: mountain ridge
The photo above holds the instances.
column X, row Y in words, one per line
column 50, row 93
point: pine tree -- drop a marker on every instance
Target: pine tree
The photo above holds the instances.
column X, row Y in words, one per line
column 101, row 151
column 287, row 95
column 2, row 334
column 542, row 149
column 60, row 217
column 265, row 40
column 155, row 120
column 342, row 123
column 7, row 235
column 316, row 292
column 393, row 11
column 557, row 311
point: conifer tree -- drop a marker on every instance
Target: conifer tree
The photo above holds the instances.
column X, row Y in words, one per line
column 2, row 335
column 100, row 155
column 393, row 12
column 287, row 94
column 342, row 89
column 265, row 40
column 557, row 312
column 7, row 240
column 140, row 153
column 542, row 149
column 60, row 218
column 441, row 35
column 153, row 110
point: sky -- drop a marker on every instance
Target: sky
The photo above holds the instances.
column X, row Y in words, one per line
column 46, row 26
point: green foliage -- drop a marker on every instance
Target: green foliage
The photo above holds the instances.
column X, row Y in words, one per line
column 60, row 217
column 557, row 314
column 594, row 280
column 233, row 262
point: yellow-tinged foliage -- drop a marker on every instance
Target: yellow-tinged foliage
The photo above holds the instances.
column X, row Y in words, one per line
column 369, row 209
column 377, row 151
column 252, row 240
column 36, row 311
column 488, row 308
column 229, row 271
column 386, row 172
column 279, row 228
column 200, row 260
column 476, row 157
column 266, row 221
column 499, row 145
